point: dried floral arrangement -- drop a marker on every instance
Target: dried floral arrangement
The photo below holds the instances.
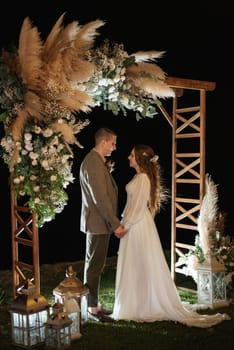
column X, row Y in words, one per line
column 123, row 81
column 45, row 89
column 211, row 239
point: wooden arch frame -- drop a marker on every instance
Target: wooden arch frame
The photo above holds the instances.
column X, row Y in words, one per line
column 188, row 122
column 188, row 162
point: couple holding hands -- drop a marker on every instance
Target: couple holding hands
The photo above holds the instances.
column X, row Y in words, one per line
column 144, row 289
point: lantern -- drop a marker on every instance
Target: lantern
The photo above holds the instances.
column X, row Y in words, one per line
column 72, row 288
column 72, row 308
column 29, row 312
column 211, row 283
column 58, row 329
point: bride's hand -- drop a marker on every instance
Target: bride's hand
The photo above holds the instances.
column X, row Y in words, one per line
column 120, row 231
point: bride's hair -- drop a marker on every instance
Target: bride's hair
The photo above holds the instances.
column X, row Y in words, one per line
column 148, row 162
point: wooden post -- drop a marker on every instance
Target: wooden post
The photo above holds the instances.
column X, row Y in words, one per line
column 25, row 246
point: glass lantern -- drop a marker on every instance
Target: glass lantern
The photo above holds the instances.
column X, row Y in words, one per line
column 58, row 331
column 72, row 288
column 72, row 308
column 29, row 312
column 211, row 283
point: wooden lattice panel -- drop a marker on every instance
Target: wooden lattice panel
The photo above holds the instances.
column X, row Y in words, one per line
column 25, row 247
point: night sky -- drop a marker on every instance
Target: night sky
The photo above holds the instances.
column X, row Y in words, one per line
column 198, row 39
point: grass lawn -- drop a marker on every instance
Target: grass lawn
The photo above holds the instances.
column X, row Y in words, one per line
column 164, row 335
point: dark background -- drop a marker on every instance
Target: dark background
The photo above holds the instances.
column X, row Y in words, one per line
column 198, row 39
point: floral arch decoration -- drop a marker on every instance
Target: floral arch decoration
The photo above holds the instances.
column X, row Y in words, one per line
column 46, row 85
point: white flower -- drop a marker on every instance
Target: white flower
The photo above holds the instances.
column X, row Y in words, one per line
column 29, row 146
column 45, row 164
column 47, row 132
column 103, row 82
column 117, row 79
column 114, row 96
column 27, row 136
column 53, row 177
column 111, row 89
column 33, row 155
column 34, row 162
column 16, row 180
column 140, row 109
column 37, row 129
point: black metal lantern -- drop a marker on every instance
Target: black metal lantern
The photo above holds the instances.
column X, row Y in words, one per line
column 29, row 312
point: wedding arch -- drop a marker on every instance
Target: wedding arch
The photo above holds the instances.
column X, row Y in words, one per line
column 45, row 83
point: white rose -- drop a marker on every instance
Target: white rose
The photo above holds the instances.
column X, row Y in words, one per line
column 53, row 177
column 37, row 129
column 16, row 180
column 33, row 155
column 47, row 132
column 45, row 164
column 27, row 136
column 34, row 162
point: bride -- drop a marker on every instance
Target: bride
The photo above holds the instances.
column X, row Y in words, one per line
column 145, row 290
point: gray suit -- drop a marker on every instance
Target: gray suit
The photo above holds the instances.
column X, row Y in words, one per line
column 98, row 218
column 99, row 196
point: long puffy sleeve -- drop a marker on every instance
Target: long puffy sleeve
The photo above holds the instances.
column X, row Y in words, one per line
column 138, row 193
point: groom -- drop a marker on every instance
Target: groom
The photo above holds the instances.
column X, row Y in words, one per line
column 99, row 216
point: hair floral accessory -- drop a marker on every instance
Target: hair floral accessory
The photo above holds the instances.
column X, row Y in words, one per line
column 154, row 159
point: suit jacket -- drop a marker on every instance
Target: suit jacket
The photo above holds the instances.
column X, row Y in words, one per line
column 99, row 208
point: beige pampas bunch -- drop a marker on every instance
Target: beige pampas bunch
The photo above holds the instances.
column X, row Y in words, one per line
column 207, row 219
column 148, row 76
column 50, row 70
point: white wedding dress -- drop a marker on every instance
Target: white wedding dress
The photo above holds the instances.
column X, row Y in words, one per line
column 145, row 290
